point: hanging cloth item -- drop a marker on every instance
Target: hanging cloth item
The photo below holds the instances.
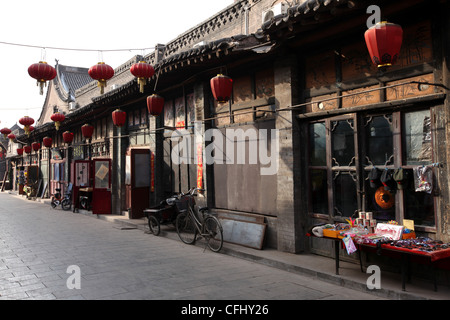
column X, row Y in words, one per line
column 423, row 179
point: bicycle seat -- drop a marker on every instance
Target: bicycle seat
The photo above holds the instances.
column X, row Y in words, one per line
column 202, row 208
column 58, row 189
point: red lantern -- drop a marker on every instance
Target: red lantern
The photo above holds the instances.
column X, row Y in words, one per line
column 36, row 146
column 68, row 137
column 142, row 71
column 27, row 149
column 221, row 87
column 119, row 117
column 42, row 72
column 101, row 72
column 5, row 132
column 155, row 104
column 20, row 151
column 47, row 141
column 58, row 118
column 26, row 122
column 384, row 41
column 87, row 130
column 11, row 136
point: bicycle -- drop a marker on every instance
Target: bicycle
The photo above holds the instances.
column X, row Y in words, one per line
column 65, row 202
column 189, row 225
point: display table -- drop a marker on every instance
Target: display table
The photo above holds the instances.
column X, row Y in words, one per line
column 434, row 258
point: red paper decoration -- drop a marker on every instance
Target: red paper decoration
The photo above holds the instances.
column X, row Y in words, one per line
column 42, row 72
column 384, row 41
column 5, row 132
column 68, row 137
column 101, row 72
column 11, row 136
column 119, row 117
column 142, row 70
column 155, row 104
column 87, row 130
column 221, row 87
column 26, row 121
column 58, row 118
column 36, row 146
column 47, row 141
column 20, row 151
column 27, row 149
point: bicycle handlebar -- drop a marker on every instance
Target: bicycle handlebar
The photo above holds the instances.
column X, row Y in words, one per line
column 191, row 191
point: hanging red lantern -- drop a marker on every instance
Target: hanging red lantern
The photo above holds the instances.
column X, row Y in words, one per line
column 36, row 146
column 119, row 117
column 155, row 104
column 42, row 72
column 87, row 130
column 27, row 149
column 20, row 151
column 47, row 141
column 5, row 132
column 101, row 72
column 58, row 118
column 11, row 136
column 68, row 137
column 384, row 41
column 221, row 87
column 142, row 70
column 26, row 121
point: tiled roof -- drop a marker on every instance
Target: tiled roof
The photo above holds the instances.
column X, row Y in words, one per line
column 70, row 79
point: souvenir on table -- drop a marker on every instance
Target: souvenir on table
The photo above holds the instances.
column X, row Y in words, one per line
column 391, row 231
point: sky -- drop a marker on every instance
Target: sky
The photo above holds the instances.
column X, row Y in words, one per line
column 97, row 25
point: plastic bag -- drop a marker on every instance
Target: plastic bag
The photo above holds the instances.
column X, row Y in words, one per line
column 423, row 179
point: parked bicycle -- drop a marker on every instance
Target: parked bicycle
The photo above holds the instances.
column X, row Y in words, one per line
column 192, row 223
column 65, row 201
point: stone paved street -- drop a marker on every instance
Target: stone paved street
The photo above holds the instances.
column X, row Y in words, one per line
column 38, row 244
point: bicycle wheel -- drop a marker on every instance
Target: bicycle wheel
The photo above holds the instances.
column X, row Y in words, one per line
column 154, row 225
column 66, row 204
column 185, row 228
column 214, row 232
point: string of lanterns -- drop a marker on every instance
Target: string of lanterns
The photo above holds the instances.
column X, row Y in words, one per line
column 383, row 42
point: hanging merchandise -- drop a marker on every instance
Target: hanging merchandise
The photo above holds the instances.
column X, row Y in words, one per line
column 401, row 176
column 374, row 178
column 423, row 179
column 387, row 180
column 349, row 244
column 101, row 72
column 384, row 198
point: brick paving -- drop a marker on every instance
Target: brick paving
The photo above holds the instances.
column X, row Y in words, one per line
column 38, row 244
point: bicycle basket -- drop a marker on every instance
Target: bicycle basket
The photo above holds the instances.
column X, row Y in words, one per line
column 184, row 202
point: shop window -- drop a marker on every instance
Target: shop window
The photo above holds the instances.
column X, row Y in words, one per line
column 379, row 147
column 344, row 150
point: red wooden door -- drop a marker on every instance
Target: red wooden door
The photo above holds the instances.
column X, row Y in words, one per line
column 82, row 178
column 139, row 188
column 101, row 194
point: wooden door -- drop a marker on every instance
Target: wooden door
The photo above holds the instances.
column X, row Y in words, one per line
column 101, row 194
